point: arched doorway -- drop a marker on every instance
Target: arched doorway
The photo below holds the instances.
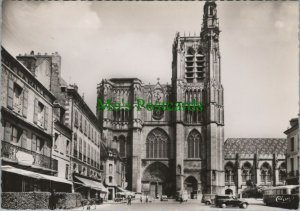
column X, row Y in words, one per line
column 191, row 185
column 156, row 180
column 228, row 192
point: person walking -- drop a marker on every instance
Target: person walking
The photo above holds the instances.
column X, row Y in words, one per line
column 129, row 200
column 141, row 199
column 146, row 198
column 52, row 202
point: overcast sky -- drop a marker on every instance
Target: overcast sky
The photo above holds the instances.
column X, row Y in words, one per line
column 259, row 50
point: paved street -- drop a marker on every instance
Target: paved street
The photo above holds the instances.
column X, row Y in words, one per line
column 171, row 205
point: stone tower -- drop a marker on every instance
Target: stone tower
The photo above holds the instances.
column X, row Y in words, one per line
column 196, row 75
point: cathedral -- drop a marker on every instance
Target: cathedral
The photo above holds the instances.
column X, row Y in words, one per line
column 165, row 152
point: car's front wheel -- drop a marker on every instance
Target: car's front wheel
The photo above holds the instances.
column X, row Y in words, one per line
column 223, row 205
column 207, row 203
column 244, row 205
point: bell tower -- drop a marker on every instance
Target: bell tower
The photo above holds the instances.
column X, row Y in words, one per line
column 214, row 100
column 196, row 75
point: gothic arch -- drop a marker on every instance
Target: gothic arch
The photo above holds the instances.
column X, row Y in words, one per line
column 266, row 173
column 157, row 144
column 247, row 172
column 191, row 185
column 190, row 51
column 194, row 144
column 156, row 180
column 282, row 172
column 229, row 172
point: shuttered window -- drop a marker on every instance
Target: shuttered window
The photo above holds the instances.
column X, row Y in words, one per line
column 7, row 136
column 10, row 93
column 76, row 119
column 15, row 135
column 33, row 143
column 25, row 102
column 24, row 139
column 46, row 116
column 35, row 112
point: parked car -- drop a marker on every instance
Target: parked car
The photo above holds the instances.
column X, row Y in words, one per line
column 182, row 196
column 208, row 199
column 224, row 201
column 164, row 198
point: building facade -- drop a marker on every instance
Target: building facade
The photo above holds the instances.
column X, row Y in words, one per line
column 293, row 152
column 179, row 150
column 76, row 135
column 260, row 161
column 62, row 136
column 113, row 170
column 26, row 131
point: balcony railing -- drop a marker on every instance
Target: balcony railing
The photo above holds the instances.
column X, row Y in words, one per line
column 10, row 151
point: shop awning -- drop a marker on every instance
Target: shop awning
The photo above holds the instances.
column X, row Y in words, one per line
column 90, row 183
column 127, row 192
column 103, row 189
column 33, row 174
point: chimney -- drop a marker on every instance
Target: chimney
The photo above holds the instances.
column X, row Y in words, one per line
column 28, row 61
column 293, row 122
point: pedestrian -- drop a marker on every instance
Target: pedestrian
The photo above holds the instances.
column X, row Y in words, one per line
column 146, row 198
column 129, row 200
column 52, row 201
column 141, row 199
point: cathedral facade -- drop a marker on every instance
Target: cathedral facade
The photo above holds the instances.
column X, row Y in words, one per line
column 169, row 151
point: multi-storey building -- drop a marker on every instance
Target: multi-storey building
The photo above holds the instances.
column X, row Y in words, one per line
column 85, row 154
column 258, row 160
column 113, row 170
column 79, row 154
column 169, row 151
column 26, row 131
column 62, row 136
column 293, row 152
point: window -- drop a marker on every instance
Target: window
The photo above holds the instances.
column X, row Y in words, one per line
column 110, row 179
column 85, row 126
column 229, row 173
column 39, row 145
column 84, row 151
column 110, row 167
column 122, row 146
column 157, row 144
column 194, row 143
column 56, row 135
column 92, row 134
column 80, row 122
column 75, row 146
column 40, row 114
column 76, row 119
column 282, row 172
column 67, row 147
column 266, row 173
column 246, row 172
column 292, row 144
column 89, row 154
column 17, row 102
column 67, row 171
column 15, row 134
column 80, row 148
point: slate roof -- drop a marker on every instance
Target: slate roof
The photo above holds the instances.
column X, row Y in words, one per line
column 255, row 145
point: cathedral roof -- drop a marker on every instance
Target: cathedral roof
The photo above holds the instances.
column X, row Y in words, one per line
column 255, row 145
